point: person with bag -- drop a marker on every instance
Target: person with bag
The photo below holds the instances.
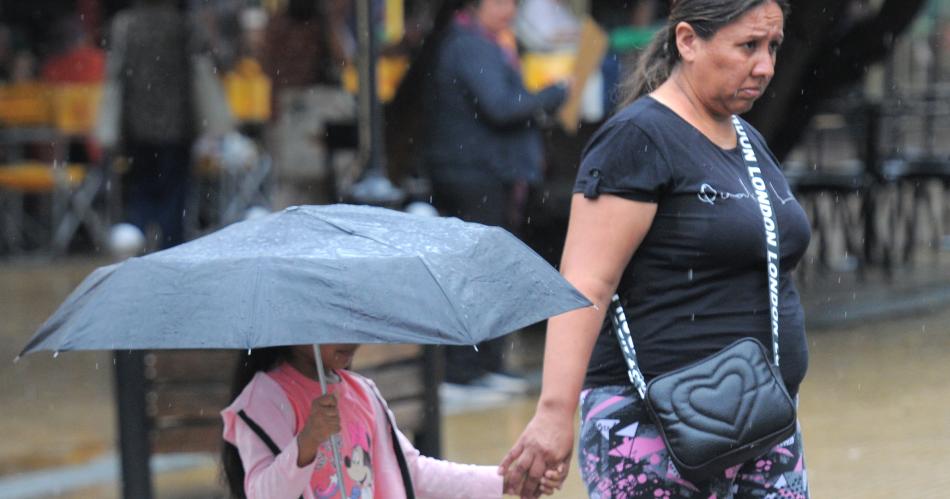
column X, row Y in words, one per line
column 681, row 210
column 280, row 429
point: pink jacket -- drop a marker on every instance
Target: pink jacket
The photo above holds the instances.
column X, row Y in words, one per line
column 270, row 477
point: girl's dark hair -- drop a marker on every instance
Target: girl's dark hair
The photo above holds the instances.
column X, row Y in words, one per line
column 706, row 17
column 262, row 359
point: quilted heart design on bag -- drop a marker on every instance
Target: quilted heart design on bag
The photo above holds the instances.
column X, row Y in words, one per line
column 719, row 404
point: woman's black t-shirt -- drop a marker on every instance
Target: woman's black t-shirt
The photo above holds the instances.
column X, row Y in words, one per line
column 697, row 282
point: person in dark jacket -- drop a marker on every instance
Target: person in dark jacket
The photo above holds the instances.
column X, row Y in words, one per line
column 483, row 149
column 151, row 45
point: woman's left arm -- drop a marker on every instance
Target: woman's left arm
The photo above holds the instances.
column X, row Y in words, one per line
column 602, row 235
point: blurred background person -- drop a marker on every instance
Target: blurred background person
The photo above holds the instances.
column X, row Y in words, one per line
column 482, row 152
column 75, row 61
column 151, row 44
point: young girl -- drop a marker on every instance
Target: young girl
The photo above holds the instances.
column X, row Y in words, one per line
column 279, row 427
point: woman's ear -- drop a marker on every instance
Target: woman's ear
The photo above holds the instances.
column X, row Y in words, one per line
column 686, row 41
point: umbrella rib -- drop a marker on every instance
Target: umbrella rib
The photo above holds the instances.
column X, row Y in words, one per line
column 54, row 322
column 445, row 295
column 464, row 326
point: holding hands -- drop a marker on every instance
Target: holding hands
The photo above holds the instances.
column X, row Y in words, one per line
column 539, row 461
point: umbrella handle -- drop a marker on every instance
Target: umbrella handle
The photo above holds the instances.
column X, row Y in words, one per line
column 334, row 444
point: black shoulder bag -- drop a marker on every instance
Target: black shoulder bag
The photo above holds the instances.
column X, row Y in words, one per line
column 729, row 407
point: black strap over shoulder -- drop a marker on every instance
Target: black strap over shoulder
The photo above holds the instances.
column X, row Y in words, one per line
column 400, row 457
column 259, row 432
column 269, row 442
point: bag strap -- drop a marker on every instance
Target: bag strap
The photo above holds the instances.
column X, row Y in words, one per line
column 259, row 432
column 400, row 457
column 771, row 228
column 256, row 428
column 618, row 318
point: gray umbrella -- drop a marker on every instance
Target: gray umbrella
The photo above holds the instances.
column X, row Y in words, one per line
column 306, row 275
column 310, row 275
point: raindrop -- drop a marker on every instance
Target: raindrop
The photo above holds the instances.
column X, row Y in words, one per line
column 692, row 317
column 690, row 274
column 56, row 354
column 475, row 347
column 17, row 359
column 249, row 351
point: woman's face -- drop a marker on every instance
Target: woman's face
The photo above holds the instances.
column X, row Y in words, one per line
column 496, row 15
column 729, row 71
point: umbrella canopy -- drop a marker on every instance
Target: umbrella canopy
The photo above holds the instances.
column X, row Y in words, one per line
column 315, row 274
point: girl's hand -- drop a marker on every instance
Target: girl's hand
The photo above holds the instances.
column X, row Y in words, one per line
column 323, row 422
column 553, row 479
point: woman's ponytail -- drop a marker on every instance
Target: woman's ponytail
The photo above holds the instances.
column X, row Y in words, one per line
column 654, row 65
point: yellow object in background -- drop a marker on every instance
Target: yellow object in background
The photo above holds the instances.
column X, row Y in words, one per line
column 395, row 27
column 249, row 91
column 75, row 106
column 542, row 69
column 37, row 177
column 25, row 104
column 389, row 72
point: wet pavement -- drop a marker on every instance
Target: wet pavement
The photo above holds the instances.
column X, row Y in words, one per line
column 875, row 406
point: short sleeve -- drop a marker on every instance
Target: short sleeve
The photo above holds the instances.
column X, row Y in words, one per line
column 622, row 160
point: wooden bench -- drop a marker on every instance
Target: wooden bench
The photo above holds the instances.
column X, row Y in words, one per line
column 185, row 391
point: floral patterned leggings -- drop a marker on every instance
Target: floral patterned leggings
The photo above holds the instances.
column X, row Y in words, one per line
column 622, row 456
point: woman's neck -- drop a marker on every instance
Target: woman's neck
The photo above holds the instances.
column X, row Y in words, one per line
column 678, row 94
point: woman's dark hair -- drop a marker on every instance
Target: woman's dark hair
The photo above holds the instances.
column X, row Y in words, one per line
column 251, row 361
column 706, row 17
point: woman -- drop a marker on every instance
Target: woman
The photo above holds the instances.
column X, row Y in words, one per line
column 663, row 214
column 482, row 147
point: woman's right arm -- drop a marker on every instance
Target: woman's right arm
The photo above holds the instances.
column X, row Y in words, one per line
column 602, row 235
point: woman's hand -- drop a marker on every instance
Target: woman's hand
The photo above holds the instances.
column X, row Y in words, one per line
column 324, row 422
column 537, row 458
